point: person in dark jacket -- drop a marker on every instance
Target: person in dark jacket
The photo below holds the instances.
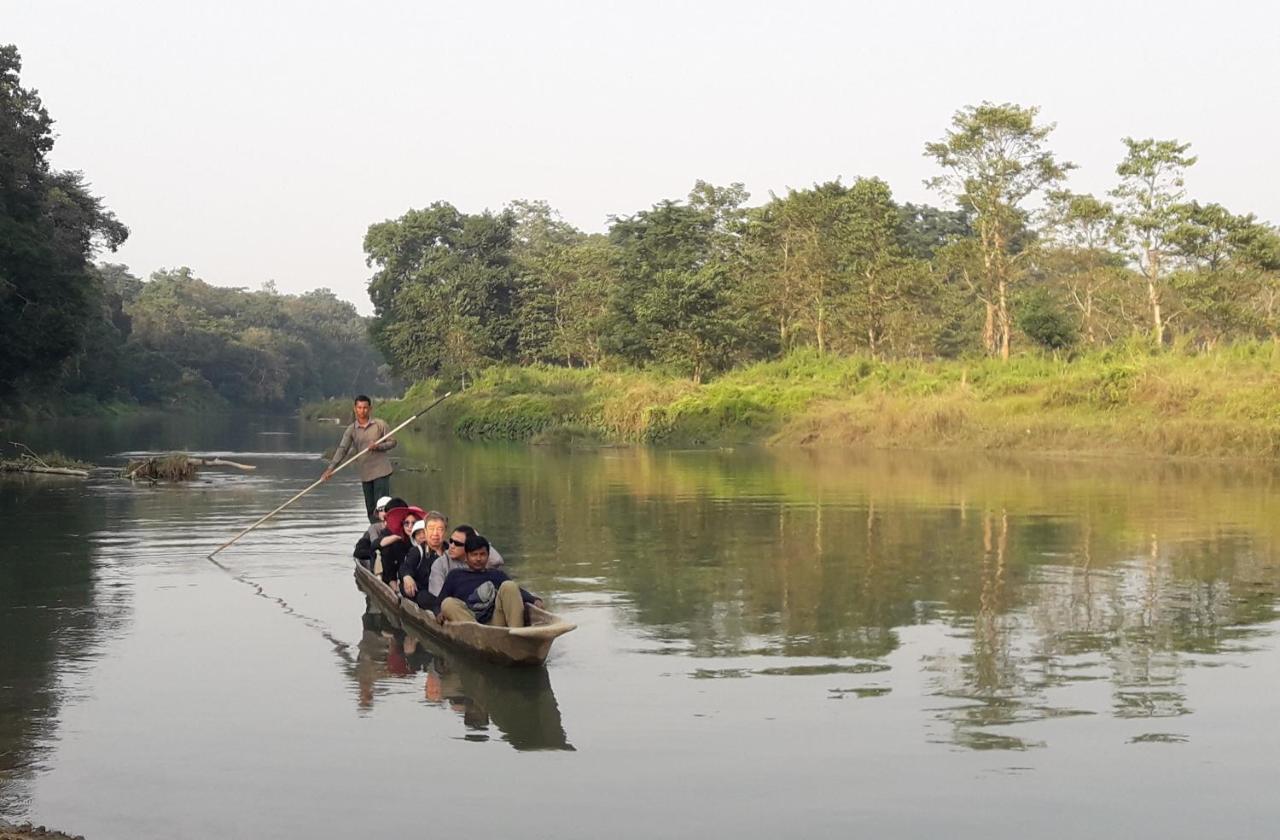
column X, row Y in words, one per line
column 367, row 546
column 394, row 547
column 477, row 593
column 415, row 569
column 455, row 557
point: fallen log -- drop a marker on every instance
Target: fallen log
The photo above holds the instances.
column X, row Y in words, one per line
column 174, row 467
column 222, row 462
column 53, row 463
column 18, row 466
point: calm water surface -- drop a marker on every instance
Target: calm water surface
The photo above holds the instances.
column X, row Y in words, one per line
column 838, row 644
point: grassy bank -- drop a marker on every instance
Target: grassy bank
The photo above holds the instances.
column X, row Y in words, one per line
column 1127, row 399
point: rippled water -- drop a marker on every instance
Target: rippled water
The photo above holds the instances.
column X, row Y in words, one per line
column 885, row 644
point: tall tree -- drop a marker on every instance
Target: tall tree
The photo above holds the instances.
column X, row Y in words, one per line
column 1226, row 282
column 870, row 235
column 1151, row 194
column 1081, row 230
column 50, row 228
column 796, row 251
column 677, row 300
column 440, row 270
column 996, row 159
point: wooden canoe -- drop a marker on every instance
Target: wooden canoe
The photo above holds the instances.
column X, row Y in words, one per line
column 505, row 645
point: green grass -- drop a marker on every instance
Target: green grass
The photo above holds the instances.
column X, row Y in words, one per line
column 1127, row 398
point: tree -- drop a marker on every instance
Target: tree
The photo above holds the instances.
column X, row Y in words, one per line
column 1150, row 195
column 564, row 279
column 676, row 300
column 925, row 229
column 50, row 228
column 1080, row 230
column 795, row 253
column 435, row 266
column 1226, row 277
column 996, row 159
column 1044, row 321
column 869, row 236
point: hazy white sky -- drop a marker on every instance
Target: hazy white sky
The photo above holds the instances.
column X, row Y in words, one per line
column 256, row 141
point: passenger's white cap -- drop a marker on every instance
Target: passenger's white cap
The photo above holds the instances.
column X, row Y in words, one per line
column 382, row 503
column 420, row 525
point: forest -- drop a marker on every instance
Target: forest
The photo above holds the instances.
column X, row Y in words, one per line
column 81, row 335
column 1010, row 260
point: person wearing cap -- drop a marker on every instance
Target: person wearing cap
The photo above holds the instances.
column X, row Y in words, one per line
column 415, row 569
column 455, row 557
column 483, row 595
column 367, row 546
column 375, row 468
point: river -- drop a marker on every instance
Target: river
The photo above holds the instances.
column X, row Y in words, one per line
column 769, row 642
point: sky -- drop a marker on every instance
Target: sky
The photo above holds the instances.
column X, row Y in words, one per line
column 258, row 141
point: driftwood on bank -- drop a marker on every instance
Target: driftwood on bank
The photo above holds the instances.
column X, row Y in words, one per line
column 54, row 463
column 174, row 467
column 24, row 467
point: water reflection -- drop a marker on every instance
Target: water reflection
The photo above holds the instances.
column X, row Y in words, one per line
column 987, row 601
column 518, row 702
column 1042, row 575
column 55, row 602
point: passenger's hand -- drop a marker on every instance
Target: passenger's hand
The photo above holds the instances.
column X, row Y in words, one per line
column 410, row 587
column 327, row 474
column 537, row 602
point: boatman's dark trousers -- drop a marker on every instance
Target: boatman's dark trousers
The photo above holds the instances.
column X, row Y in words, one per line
column 374, row 490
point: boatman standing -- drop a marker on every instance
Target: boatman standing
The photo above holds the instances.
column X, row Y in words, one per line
column 375, row 468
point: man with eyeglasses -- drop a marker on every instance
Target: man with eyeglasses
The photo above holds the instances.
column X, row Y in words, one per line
column 455, row 557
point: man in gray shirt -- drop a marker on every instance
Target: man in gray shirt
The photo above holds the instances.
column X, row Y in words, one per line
column 375, row 468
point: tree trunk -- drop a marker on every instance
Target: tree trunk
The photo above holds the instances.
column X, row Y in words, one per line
column 1153, row 295
column 1004, row 323
column 821, row 330
column 989, row 329
column 1157, row 323
column 1088, row 315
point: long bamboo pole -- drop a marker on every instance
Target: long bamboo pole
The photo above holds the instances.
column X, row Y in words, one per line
column 320, row 481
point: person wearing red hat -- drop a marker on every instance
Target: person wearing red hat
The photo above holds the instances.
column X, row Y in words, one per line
column 395, row 545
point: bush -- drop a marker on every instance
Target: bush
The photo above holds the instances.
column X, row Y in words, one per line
column 1045, row 321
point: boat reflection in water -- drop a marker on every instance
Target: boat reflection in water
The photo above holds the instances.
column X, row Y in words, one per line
column 518, row 701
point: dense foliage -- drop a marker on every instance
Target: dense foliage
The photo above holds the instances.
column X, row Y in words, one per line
column 75, row 332
column 700, row 285
column 50, row 228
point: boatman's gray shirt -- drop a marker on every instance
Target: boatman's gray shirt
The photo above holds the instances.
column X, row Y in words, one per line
column 374, row 465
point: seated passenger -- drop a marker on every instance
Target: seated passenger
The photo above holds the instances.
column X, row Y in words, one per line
column 477, row 593
column 428, row 545
column 366, row 547
column 455, row 557
column 394, row 547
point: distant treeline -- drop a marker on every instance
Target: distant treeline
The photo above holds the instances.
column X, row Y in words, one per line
column 75, row 335
column 178, row 340
column 706, row 283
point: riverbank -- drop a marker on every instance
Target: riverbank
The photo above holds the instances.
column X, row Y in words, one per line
column 27, row 831
column 1224, row 403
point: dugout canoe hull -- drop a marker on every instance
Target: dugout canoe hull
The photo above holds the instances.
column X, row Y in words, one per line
column 504, row 645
